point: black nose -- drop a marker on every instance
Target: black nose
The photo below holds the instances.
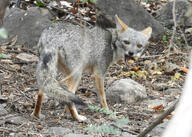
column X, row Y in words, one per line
column 130, row 53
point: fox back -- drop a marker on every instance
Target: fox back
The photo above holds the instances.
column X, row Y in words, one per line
column 79, row 46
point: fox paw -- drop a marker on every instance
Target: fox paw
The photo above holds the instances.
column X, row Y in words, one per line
column 81, row 118
column 40, row 116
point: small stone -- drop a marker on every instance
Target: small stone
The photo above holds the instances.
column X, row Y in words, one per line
column 58, row 131
column 18, row 120
column 77, row 135
column 2, row 110
column 126, row 91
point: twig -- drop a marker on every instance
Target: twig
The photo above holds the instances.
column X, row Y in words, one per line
column 153, row 56
column 183, row 35
column 124, row 130
column 7, row 116
column 10, row 130
column 158, row 120
column 174, row 28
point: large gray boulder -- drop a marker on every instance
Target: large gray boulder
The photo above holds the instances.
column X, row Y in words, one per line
column 26, row 25
column 3, row 5
column 125, row 91
column 183, row 12
column 132, row 14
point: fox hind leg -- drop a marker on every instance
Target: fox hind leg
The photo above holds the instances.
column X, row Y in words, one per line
column 73, row 87
column 73, row 83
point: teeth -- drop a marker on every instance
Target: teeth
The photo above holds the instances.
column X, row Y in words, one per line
column 130, row 60
column 136, row 58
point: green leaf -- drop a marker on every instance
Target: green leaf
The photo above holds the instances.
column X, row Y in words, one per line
column 84, row 1
column 123, row 121
column 164, row 38
column 2, row 55
column 3, row 33
column 93, row 0
column 40, row 4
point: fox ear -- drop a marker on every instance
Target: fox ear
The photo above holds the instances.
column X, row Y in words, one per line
column 120, row 24
column 147, row 31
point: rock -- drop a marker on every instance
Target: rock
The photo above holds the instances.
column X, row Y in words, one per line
column 26, row 25
column 183, row 14
column 18, row 120
column 125, row 91
column 173, row 91
column 2, row 110
column 160, row 86
column 58, row 131
column 77, row 135
column 157, row 131
column 3, row 99
column 133, row 15
column 125, row 134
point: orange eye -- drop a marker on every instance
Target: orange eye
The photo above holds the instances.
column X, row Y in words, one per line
column 139, row 45
column 126, row 42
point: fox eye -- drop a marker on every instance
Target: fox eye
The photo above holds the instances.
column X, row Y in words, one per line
column 139, row 45
column 126, row 42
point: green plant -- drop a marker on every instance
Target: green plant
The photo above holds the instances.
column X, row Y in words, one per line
column 3, row 33
column 84, row 1
column 99, row 109
column 164, row 38
column 2, row 55
column 103, row 128
column 107, row 128
column 148, row 1
column 40, row 4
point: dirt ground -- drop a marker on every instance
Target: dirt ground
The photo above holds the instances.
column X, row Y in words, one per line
column 19, row 92
column 156, row 71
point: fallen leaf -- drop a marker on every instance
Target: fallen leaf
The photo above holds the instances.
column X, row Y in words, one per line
column 27, row 57
column 5, row 56
column 15, row 66
column 176, row 76
column 184, row 69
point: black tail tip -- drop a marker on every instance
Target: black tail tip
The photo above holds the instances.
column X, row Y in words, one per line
column 78, row 101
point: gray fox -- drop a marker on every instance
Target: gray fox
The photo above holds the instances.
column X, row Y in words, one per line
column 71, row 49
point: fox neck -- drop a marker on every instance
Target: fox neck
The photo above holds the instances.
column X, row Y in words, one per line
column 118, row 52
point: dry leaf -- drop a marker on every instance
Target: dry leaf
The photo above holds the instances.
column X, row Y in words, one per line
column 27, row 57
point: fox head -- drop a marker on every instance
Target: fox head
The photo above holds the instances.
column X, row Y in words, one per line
column 130, row 43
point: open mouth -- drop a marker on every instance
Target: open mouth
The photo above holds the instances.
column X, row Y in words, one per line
column 129, row 60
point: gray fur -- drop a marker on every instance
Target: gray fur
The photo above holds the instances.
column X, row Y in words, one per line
column 78, row 48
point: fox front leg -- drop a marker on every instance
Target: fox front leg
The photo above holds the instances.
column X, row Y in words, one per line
column 99, row 80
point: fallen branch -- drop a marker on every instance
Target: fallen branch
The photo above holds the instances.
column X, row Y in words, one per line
column 158, row 120
column 174, row 28
column 124, row 130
